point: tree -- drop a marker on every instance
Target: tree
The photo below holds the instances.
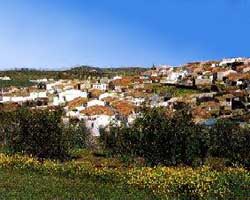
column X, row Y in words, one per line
column 229, row 141
column 160, row 139
column 40, row 133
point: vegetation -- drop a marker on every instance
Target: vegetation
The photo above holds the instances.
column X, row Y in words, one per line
column 21, row 77
column 172, row 90
column 16, row 83
column 176, row 140
column 230, row 142
column 27, row 184
column 164, row 182
column 40, row 133
column 183, row 160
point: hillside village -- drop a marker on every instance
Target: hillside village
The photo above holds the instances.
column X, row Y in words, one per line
column 213, row 90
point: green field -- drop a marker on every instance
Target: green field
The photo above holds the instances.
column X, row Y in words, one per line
column 91, row 177
column 23, row 184
column 174, row 91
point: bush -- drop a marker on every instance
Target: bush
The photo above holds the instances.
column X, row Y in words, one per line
column 228, row 140
column 159, row 139
column 40, row 133
column 78, row 134
column 175, row 140
column 215, row 163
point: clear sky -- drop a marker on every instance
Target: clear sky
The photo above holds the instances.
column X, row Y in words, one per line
column 63, row 33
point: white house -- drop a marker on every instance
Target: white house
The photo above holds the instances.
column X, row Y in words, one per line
column 222, row 74
column 163, row 104
column 138, row 101
column 95, row 123
column 97, row 117
column 117, row 77
column 132, row 117
column 45, row 80
column 19, row 99
column 106, row 94
column 227, row 61
column 5, row 78
column 174, row 76
column 4, row 99
column 67, row 96
column 95, row 102
column 73, row 114
column 35, row 95
column 16, row 99
column 100, row 86
column 246, row 69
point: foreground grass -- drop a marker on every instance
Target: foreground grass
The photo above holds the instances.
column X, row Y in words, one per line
column 96, row 178
column 24, row 184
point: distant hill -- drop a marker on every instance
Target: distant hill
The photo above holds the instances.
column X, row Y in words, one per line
column 96, row 71
column 20, row 77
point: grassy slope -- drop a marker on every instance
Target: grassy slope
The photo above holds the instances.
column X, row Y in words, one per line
column 102, row 177
column 18, row 184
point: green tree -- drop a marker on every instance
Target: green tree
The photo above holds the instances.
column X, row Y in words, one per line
column 160, row 139
column 40, row 133
column 229, row 141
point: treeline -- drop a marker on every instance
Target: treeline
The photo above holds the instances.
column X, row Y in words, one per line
column 40, row 133
column 20, row 77
column 163, row 139
column 156, row 136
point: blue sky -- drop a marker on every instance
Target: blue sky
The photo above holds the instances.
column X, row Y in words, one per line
column 63, row 33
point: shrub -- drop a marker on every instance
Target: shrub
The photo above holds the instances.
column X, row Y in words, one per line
column 215, row 163
column 228, row 140
column 159, row 139
column 40, row 133
column 174, row 140
column 77, row 133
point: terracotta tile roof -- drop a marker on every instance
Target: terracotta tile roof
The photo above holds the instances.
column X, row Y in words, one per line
column 156, row 79
column 98, row 110
column 138, row 81
column 198, row 69
column 125, row 81
column 137, row 94
column 109, row 99
column 205, row 110
column 240, row 68
column 192, row 65
column 123, row 107
column 208, row 68
column 234, row 77
column 148, row 73
column 238, row 76
column 238, row 93
column 224, row 97
column 96, row 93
column 218, row 69
column 246, row 76
column 77, row 102
column 200, row 112
column 211, row 104
column 9, row 106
